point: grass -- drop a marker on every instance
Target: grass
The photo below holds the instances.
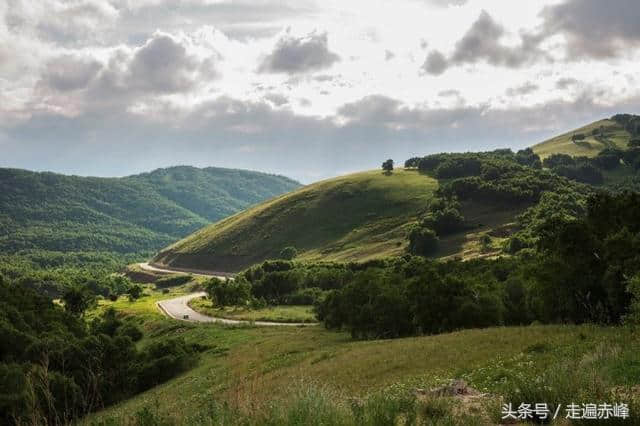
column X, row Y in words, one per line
column 284, row 313
column 251, row 369
column 614, row 136
column 355, row 217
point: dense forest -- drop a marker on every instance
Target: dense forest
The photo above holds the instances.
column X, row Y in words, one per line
column 141, row 213
column 55, row 366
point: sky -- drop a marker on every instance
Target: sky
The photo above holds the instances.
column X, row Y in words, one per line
column 307, row 89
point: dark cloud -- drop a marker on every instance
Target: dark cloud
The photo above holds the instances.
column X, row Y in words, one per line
column 234, row 133
column 162, row 65
column 435, row 64
column 595, row 28
column 525, row 89
column 69, row 72
column 298, row 55
column 482, row 42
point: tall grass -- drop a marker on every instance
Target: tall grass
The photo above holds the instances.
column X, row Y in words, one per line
column 312, row 405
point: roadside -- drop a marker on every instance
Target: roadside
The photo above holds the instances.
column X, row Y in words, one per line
column 178, row 308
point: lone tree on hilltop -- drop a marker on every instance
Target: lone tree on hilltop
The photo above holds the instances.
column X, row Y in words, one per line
column 387, row 166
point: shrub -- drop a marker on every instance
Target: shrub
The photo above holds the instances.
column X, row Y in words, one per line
column 288, row 253
column 228, row 292
column 422, row 241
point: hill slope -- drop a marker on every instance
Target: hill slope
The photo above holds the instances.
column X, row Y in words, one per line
column 601, row 134
column 358, row 216
column 136, row 213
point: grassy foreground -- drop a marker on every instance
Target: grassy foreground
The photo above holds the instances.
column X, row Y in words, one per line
column 283, row 313
column 262, row 374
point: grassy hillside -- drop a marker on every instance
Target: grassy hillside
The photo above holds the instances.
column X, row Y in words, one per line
column 255, row 370
column 357, row 216
column 48, row 211
column 598, row 135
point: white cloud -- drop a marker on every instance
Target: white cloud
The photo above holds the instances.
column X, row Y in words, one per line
column 325, row 81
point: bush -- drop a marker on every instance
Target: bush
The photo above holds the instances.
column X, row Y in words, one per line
column 288, row 253
column 228, row 292
column 423, row 241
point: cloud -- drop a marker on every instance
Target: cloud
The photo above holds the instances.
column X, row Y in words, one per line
column 566, row 82
column 449, row 93
column 161, row 65
column 61, row 22
column 435, row 64
column 68, row 72
column 446, row 3
column 525, row 89
column 276, row 99
column 482, row 42
column 594, row 28
column 214, row 132
column 299, row 55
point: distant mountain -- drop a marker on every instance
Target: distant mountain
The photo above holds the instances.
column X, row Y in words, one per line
column 142, row 212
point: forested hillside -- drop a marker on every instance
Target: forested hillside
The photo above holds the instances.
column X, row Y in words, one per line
column 144, row 212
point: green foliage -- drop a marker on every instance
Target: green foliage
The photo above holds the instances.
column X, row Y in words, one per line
column 288, row 253
column 443, row 216
column 135, row 291
column 633, row 288
column 387, row 166
column 54, row 369
column 228, row 292
column 69, row 213
column 77, row 300
column 422, row 241
column 338, row 219
column 578, row 274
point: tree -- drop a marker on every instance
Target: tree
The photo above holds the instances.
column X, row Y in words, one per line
column 422, row 241
column 135, row 292
column 634, row 143
column 77, row 300
column 387, row 166
column 288, row 253
column 228, row 292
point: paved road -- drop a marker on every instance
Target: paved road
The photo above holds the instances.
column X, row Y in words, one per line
column 151, row 268
column 178, row 307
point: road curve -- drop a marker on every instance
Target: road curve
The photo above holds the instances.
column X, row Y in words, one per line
column 178, row 307
column 146, row 266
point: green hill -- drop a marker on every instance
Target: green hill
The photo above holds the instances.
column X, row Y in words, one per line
column 48, row 211
column 357, row 217
column 589, row 140
column 346, row 218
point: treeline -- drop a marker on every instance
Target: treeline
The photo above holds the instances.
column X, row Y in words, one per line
column 282, row 282
column 52, row 273
column 499, row 177
column 54, row 367
column 581, row 271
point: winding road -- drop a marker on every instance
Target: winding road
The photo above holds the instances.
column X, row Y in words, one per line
column 178, row 307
